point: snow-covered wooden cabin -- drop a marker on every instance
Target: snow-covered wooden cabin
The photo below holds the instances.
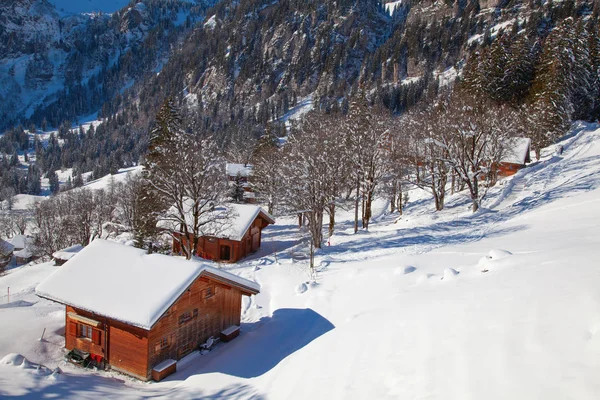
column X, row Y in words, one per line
column 515, row 156
column 62, row 256
column 139, row 313
column 6, row 253
column 234, row 239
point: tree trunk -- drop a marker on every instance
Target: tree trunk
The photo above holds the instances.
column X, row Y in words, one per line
column 475, row 194
column 368, row 212
column 393, row 196
column 362, row 210
column 331, row 219
column 400, row 200
column 316, row 228
column 356, row 204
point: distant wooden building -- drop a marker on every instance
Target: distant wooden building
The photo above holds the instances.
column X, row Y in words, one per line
column 23, row 256
column 139, row 313
column 6, row 253
column 516, row 156
column 241, row 236
column 62, row 256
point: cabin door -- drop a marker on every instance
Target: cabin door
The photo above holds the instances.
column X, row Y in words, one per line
column 225, row 253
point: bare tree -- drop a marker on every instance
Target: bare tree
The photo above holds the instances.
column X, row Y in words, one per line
column 422, row 129
column 475, row 140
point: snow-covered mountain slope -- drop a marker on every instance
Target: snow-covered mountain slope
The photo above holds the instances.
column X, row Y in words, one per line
column 88, row 6
column 499, row 304
column 59, row 63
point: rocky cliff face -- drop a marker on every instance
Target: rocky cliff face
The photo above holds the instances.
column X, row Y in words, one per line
column 56, row 66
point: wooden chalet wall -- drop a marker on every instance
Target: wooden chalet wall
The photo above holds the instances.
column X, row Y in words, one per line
column 204, row 310
column 210, row 247
column 96, row 345
column 508, row 169
column 127, row 345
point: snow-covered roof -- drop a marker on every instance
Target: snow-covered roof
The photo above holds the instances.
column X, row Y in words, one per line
column 517, row 151
column 6, row 248
column 229, row 221
column 19, row 241
column 245, row 170
column 68, row 253
column 128, row 284
column 23, row 253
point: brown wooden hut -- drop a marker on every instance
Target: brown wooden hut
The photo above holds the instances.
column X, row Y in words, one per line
column 516, row 156
column 241, row 235
column 139, row 313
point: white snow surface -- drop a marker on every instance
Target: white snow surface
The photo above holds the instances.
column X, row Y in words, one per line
column 379, row 322
column 142, row 286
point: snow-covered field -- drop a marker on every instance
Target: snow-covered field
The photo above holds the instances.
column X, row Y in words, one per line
column 404, row 311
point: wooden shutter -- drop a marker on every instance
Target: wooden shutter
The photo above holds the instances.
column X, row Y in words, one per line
column 96, row 336
column 72, row 328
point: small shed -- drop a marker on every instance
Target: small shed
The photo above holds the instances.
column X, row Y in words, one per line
column 139, row 313
column 6, row 253
column 62, row 256
column 516, row 156
column 23, row 256
column 231, row 241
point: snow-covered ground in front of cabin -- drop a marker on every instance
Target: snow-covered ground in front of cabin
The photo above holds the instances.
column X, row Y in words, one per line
column 402, row 311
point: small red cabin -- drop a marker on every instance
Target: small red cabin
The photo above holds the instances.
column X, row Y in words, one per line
column 515, row 157
column 139, row 313
column 241, row 237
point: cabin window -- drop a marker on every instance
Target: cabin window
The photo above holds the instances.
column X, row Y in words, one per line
column 209, row 292
column 186, row 348
column 84, row 331
column 185, row 317
column 161, row 344
column 195, row 312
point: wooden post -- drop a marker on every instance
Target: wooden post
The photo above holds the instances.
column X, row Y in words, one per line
column 43, row 333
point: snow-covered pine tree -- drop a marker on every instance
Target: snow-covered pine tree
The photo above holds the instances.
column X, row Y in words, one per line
column 236, row 191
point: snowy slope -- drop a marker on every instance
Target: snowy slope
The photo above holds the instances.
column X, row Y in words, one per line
column 404, row 311
column 88, row 6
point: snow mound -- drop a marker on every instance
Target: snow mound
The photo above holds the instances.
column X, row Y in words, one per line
column 15, row 359
column 56, row 375
column 301, row 288
column 450, row 273
column 424, row 278
column 497, row 254
column 405, row 270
